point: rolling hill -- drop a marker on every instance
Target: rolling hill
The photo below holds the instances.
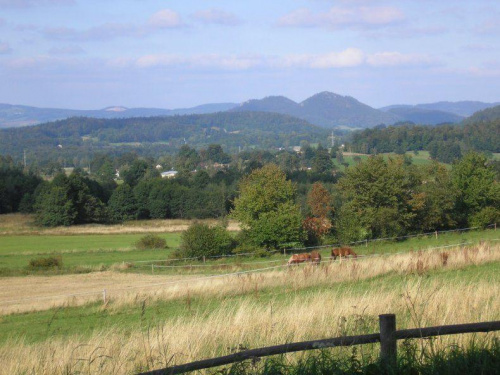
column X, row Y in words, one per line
column 462, row 108
column 20, row 115
column 324, row 109
column 488, row 114
column 79, row 136
column 422, row 116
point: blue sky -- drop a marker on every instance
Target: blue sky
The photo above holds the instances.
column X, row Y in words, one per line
column 168, row 54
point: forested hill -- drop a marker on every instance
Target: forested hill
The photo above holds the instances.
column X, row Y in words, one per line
column 22, row 115
column 487, row 114
column 419, row 115
column 324, row 109
column 445, row 143
column 254, row 129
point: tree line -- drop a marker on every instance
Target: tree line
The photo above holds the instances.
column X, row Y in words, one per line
column 277, row 199
column 445, row 143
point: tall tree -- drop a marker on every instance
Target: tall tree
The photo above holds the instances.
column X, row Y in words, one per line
column 318, row 223
column 322, row 162
column 474, row 180
column 379, row 193
column 266, row 207
column 122, row 205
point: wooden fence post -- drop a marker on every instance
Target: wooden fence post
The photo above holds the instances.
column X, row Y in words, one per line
column 436, row 233
column 388, row 341
column 104, row 295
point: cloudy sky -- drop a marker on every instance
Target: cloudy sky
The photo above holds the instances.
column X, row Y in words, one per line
column 90, row 54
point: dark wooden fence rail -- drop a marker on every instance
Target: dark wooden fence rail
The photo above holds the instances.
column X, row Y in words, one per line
column 387, row 337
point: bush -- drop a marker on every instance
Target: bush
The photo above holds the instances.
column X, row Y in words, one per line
column 245, row 248
column 485, row 217
column 45, row 263
column 151, row 241
column 201, row 240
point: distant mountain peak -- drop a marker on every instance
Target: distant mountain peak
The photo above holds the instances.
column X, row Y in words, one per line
column 326, row 109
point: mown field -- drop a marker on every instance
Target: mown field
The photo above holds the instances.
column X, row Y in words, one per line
column 97, row 251
column 423, row 158
column 176, row 323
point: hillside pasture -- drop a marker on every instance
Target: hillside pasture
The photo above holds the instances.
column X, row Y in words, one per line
column 148, row 329
column 83, row 253
column 422, row 158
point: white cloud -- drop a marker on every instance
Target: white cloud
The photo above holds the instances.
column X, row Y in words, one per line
column 382, row 59
column 102, row 32
column 490, row 26
column 350, row 57
column 150, row 61
column 67, row 50
column 217, row 16
column 230, row 62
column 33, row 3
column 344, row 17
column 166, row 19
column 346, row 58
column 5, row 48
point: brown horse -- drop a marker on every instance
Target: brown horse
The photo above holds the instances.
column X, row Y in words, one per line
column 342, row 252
column 315, row 257
column 299, row 258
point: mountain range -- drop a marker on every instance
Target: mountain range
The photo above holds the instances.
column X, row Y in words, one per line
column 325, row 109
column 20, row 115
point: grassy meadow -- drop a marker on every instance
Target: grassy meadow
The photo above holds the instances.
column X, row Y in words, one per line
column 176, row 315
column 152, row 327
column 90, row 248
column 423, row 158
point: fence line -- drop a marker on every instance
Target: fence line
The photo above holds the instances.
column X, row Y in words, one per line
column 317, row 247
column 388, row 337
column 151, row 285
column 214, row 276
column 214, row 264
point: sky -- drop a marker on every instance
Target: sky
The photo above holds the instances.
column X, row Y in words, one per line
column 87, row 54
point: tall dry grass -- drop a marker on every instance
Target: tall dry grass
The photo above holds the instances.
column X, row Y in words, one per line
column 331, row 309
column 127, row 289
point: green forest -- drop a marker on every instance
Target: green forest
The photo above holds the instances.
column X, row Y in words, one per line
column 73, row 141
column 278, row 198
column 445, row 143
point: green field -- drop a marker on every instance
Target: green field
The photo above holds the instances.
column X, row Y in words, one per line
column 149, row 319
column 77, row 251
column 85, row 253
column 423, row 158
column 86, row 320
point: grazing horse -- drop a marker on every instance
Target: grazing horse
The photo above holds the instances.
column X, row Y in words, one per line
column 299, row 258
column 342, row 252
column 315, row 257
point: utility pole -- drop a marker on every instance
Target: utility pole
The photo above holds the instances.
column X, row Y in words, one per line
column 24, row 158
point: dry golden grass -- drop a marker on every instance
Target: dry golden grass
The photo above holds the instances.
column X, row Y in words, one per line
column 11, row 224
column 29, row 287
column 318, row 314
column 124, row 289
